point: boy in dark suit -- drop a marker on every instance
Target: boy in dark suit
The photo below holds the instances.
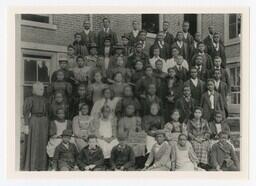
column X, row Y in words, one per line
column 211, row 101
column 88, row 36
column 223, row 156
column 186, row 105
column 133, row 35
column 106, row 32
column 222, row 88
column 162, row 45
column 181, row 72
column 217, row 49
column 201, row 71
column 194, row 47
column 181, row 45
column 168, row 37
column 122, row 156
column 91, row 157
column 138, row 55
column 65, row 154
column 196, row 85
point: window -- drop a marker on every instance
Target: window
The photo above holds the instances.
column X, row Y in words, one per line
column 36, row 17
column 234, row 25
column 38, row 20
column 235, row 84
column 36, row 68
column 150, row 23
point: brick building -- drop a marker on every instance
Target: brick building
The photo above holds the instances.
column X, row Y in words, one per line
column 45, row 37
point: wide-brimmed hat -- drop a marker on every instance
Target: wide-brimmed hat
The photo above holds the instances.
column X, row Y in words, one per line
column 67, row 132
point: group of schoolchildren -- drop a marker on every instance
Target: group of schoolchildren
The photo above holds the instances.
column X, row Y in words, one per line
column 105, row 90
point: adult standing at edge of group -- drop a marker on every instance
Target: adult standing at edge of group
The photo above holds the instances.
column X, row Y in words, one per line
column 133, row 35
column 187, row 37
column 106, row 32
column 88, row 36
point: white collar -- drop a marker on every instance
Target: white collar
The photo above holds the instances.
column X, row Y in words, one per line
column 87, row 31
column 106, row 29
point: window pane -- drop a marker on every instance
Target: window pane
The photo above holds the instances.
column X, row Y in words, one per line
column 43, row 72
column 232, row 18
column 232, row 76
column 150, row 23
column 232, row 31
column 30, row 70
column 36, row 18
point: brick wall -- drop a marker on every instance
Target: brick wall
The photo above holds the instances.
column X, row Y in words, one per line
column 217, row 20
column 67, row 25
column 175, row 21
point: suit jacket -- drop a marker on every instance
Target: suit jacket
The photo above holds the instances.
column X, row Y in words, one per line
column 132, row 40
column 90, row 38
column 183, row 50
column 132, row 59
column 101, row 37
column 164, row 51
column 194, row 131
column 221, row 52
column 208, row 41
column 207, row 60
column 146, row 47
column 189, row 40
column 223, row 90
column 181, row 74
column 161, row 158
column 222, row 152
column 90, row 157
column 196, row 91
column 169, row 38
column 224, row 128
column 224, row 76
column 186, row 108
column 206, row 105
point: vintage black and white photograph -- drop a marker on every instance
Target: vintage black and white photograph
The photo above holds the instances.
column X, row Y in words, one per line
column 128, row 92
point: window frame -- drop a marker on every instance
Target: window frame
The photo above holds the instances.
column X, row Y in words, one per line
column 161, row 20
column 49, row 26
column 227, row 40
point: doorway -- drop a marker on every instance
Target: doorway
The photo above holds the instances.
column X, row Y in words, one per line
column 192, row 19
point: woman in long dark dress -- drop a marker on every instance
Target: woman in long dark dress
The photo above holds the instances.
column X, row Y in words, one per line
column 35, row 113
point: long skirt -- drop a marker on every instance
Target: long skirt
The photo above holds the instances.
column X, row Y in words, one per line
column 201, row 150
column 36, row 157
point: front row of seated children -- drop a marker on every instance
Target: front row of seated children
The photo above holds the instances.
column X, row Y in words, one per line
column 177, row 146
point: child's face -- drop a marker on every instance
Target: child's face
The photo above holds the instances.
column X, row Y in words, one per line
column 197, row 114
column 152, row 89
column 223, row 138
column 160, row 138
column 201, row 47
column 139, row 48
column 118, row 77
column 180, row 36
column 81, row 91
column 120, row 61
column 60, row 76
column 84, row 110
column 139, row 65
column 175, row 116
column 63, row 64
column 193, row 73
column 149, row 71
column 210, row 86
column 197, row 37
column 70, row 51
column 179, row 60
column 172, row 73
column 216, row 37
column 97, row 77
column 185, row 27
column 66, row 139
column 198, row 61
column 60, row 114
column 78, row 37
column 125, row 41
column 80, row 62
column 218, row 118
column 128, row 91
column 156, row 52
column 186, row 91
column 154, row 109
column 143, row 36
column 58, row 98
column 107, row 94
column 92, row 143
column 93, row 51
column 159, row 65
column 182, row 141
column 175, row 52
column 130, row 110
column 217, row 75
column 217, row 62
